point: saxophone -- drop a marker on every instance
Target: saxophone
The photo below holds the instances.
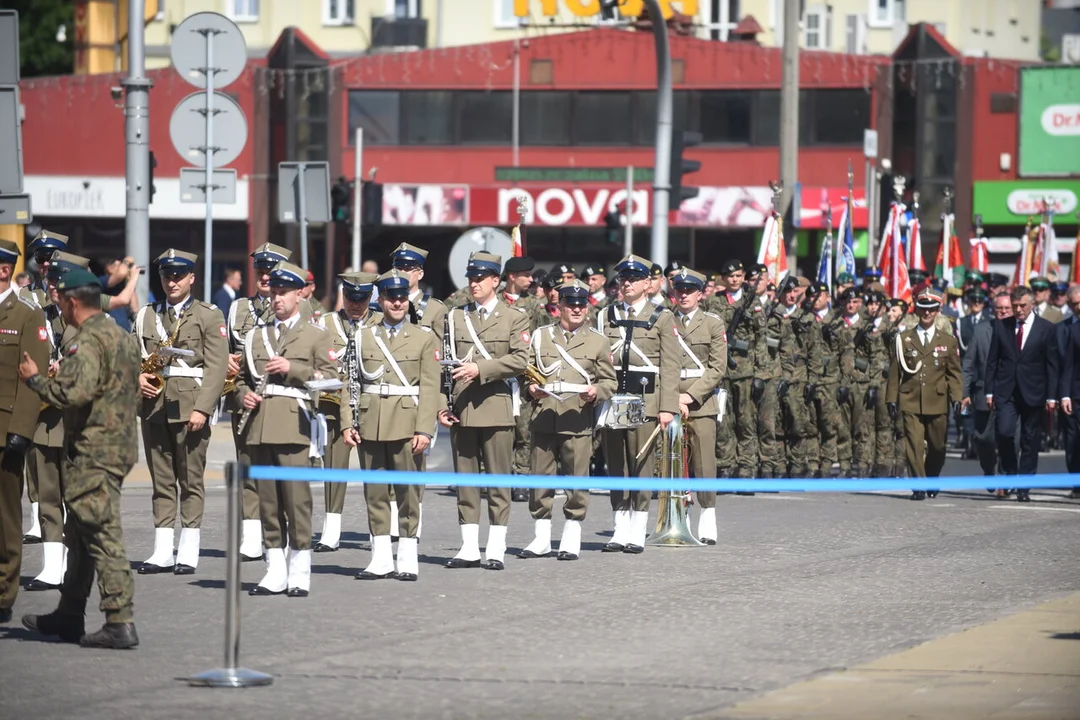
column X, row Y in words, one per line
column 154, row 363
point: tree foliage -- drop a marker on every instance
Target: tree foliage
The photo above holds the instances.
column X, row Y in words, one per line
column 39, row 20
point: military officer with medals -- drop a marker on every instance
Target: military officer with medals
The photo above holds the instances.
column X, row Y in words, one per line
column 925, row 381
column 701, row 337
column 575, row 362
column 178, row 402
column 245, row 314
column 398, row 374
column 280, row 358
column 646, row 354
column 356, row 312
column 488, row 343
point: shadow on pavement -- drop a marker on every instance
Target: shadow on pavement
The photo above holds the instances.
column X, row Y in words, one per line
column 1066, row 636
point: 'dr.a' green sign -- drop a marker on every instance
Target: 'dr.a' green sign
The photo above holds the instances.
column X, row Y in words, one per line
column 1012, row 203
column 1049, row 121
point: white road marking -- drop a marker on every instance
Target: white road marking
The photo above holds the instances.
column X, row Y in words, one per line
column 1034, row 507
column 943, row 505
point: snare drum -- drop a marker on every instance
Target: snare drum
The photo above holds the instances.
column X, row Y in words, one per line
column 622, row 412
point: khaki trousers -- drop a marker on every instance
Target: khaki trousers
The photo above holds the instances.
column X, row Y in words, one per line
column 393, row 455
column 284, row 507
column 929, row 432
column 621, row 448
column 336, row 456
column 243, row 456
column 699, row 436
column 177, row 459
column 493, row 447
column 11, row 533
column 560, row 455
column 43, row 473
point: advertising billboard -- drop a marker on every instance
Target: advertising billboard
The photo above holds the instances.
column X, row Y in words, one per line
column 1049, row 121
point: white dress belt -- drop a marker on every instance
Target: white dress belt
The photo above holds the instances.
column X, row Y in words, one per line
column 639, row 368
column 286, row 391
column 691, row 373
column 565, row 387
column 171, row 371
column 387, row 390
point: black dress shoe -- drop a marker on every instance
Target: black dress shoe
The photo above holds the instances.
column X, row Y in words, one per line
column 31, row 540
column 529, row 554
column 259, row 590
column 612, row 547
column 5, row 615
column 319, row 548
column 519, row 495
column 458, row 563
column 69, row 628
column 365, row 575
column 633, row 549
column 918, row 495
column 183, row 570
column 744, row 494
column 394, row 538
column 407, row 577
column 297, row 592
column 494, row 565
column 250, row 558
column 112, row 636
column 563, row 555
column 36, row 585
column 151, row 569
column 1022, row 496
column 931, row 494
column 708, row 541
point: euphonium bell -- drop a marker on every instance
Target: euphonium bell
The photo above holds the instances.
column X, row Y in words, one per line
column 535, row 376
column 672, row 524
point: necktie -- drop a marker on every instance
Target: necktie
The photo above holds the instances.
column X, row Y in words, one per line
column 483, row 314
column 925, row 337
column 566, row 335
column 686, row 321
column 280, row 330
column 172, row 316
column 1019, row 336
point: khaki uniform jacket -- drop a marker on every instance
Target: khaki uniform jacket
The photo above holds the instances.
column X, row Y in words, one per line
column 591, row 350
column 1052, row 313
column 244, row 314
column 396, row 417
column 486, row 401
column 705, row 336
column 22, row 329
column 430, row 313
column 659, row 345
column 341, row 331
column 935, row 384
column 201, row 329
column 279, row 419
column 50, row 427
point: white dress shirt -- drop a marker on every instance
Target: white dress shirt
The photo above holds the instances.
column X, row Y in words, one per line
column 926, row 335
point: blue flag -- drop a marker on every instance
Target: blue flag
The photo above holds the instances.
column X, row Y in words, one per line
column 824, row 273
column 845, row 260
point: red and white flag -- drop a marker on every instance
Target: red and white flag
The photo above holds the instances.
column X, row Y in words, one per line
column 772, row 253
column 980, row 254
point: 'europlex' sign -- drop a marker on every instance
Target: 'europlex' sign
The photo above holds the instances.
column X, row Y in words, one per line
column 591, row 8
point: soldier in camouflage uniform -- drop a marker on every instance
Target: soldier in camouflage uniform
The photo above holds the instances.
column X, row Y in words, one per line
column 827, row 408
column 770, row 429
column 890, row 440
column 800, row 360
column 874, row 302
column 97, row 387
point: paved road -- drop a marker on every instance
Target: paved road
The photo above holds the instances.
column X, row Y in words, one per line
column 798, row 585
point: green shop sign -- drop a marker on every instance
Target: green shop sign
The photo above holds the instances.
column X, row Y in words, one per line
column 1012, row 203
column 1049, row 121
column 570, row 175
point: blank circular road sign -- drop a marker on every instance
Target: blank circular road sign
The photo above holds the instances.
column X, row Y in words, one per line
column 187, row 128
column 189, row 49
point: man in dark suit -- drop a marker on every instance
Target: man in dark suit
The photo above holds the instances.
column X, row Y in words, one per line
column 977, row 313
column 1069, row 339
column 1022, row 383
column 975, row 376
column 225, row 294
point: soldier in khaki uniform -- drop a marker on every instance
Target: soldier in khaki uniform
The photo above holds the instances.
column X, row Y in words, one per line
column 280, row 358
column 245, row 314
column 576, row 364
column 41, row 249
column 398, row 371
column 489, row 346
column 646, row 357
column 704, row 363
column 356, row 290
column 518, row 274
column 178, row 405
column 22, row 331
column 925, row 381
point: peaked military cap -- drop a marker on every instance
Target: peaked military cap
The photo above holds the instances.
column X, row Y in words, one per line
column 574, row 292
column 406, row 254
column 176, row 260
column 687, row 279
column 268, row 254
column 285, row 274
column 393, row 284
column 63, row 262
column 47, row 240
column 1038, row 284
column 872, row 272
column 634, row 265
column 928, row 300
column 9, row 252
column 482, row 263
column 357, row 286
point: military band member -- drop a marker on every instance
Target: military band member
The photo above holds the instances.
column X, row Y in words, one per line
column 489, row 345
column 398, row 368
column 924, row 381
column 245, row 314
column 41, row 249
column 178, row 402
column 424, row 310
column 23, row 331
column 646, row 357
column 356, row 312
column 518, row 273
column 576, row 364
column 280, row 358
column 704, row 363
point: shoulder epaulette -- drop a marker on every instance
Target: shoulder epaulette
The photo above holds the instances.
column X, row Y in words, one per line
column 28, row 302
column 594, row 330
column 425, row 328
column 515, row 307
column 712, row 315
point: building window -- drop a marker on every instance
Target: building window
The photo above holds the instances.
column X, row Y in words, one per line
column 883, row 13
column 600, row 118
column 723, row 17
column 855, row 34
column 404, row 8
column 338, row 12
column 833, row 117
column 645, row 115
column 817, row 28
column 484, row 118
column 428, row 117
column 504, row 16
column 378, row 112
column 725, row 117
column 545, row 118
column 766, row 115
column 245, row 11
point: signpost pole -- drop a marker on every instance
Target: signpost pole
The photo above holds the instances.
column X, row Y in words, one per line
column 358, row 191
column 301, row 214
column 208, row 245
column 137, row 157
column 628, row 240
column 662, row 171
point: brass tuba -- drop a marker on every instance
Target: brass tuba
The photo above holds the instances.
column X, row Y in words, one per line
column 672, row 524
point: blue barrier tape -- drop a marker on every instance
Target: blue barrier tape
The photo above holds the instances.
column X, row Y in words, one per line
column 560, row 482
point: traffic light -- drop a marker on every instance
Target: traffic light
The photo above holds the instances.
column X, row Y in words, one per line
column 613, row 223
column 153, row 166
column 340, row 196
column 680, row 140
column 371, row 207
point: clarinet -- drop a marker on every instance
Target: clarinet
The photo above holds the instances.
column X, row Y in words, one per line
column 242, row 423
column 448, row 368
column 354, row 382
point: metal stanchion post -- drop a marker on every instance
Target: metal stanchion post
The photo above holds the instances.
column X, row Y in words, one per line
column 231, row 675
